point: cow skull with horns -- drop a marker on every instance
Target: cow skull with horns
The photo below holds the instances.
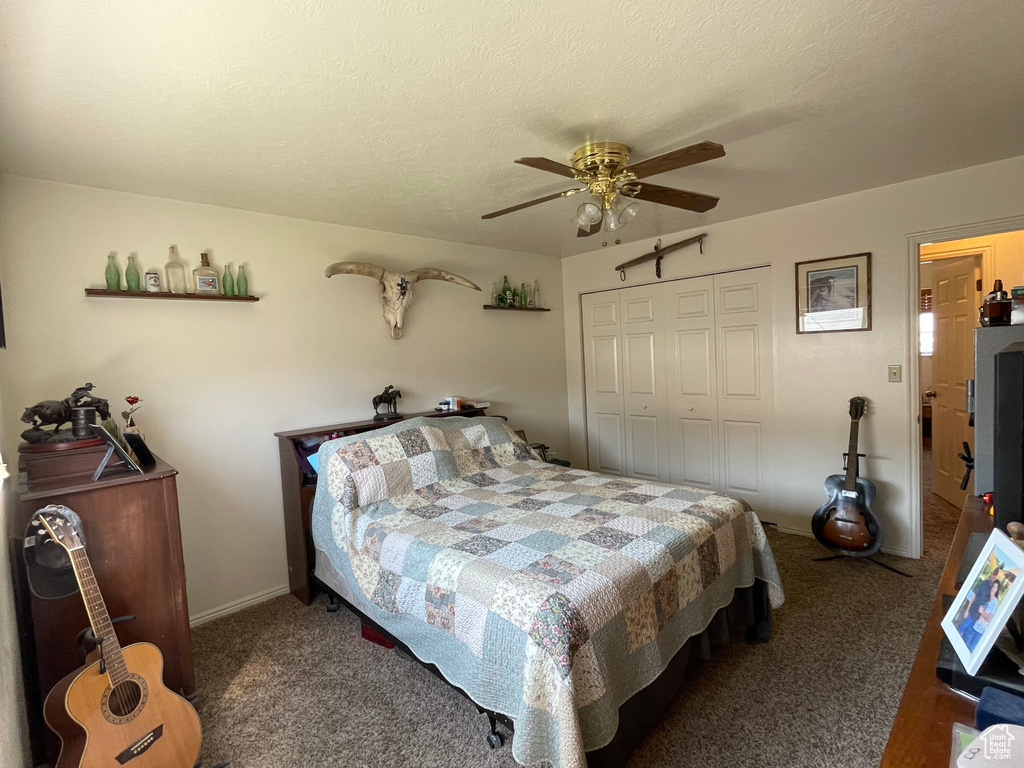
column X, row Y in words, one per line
column 396, row 287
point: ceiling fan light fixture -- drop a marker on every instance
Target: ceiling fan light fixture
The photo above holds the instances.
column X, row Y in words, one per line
column 588, row 214
column 619, row 214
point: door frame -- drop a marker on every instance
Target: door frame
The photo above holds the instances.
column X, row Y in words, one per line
column 914, row 242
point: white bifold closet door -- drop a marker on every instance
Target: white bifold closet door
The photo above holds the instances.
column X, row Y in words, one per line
column 679, row 382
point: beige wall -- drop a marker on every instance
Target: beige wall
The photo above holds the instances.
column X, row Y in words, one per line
column 219, row 379
column 13, row 728
column 816, row 375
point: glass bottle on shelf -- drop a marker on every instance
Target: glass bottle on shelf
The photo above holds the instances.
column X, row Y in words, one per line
column 536, row 294
column 515, row 298
column 203, row 274
column 227, row 283
column 175, row 272
column 506, row 290
column 112, row 275
column 494, row 295
column 522, row 294
column 530, row 300
column 241, row 282
column 132, row 279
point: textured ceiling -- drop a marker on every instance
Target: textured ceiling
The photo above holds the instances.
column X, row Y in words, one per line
column 406, row 115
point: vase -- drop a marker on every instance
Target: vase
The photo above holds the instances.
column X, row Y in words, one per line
column 112, row 274
column 227, row 284
column 242, row 282
column 132, row 279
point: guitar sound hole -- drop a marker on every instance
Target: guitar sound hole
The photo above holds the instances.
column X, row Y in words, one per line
column 125, row 698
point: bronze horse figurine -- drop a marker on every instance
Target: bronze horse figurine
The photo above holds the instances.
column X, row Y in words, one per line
column 389, row 398
column 58, row 412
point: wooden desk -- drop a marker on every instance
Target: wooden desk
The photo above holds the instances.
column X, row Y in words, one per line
column 297, row 490
column 920, row 736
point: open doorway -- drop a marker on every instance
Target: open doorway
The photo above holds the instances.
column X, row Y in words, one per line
column 954, row 277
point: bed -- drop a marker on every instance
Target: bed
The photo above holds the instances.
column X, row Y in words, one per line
column 550, row 595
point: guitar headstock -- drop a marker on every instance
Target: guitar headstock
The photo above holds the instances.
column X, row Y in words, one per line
column 62, row 524
column 857, row 407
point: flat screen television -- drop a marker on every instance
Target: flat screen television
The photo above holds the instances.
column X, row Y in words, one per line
column 1008, row 448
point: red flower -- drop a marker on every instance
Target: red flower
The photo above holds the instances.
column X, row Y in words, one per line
column 132, row 399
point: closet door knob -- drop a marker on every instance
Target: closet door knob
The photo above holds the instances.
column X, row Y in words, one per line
column 691, row 407
column 645, row 406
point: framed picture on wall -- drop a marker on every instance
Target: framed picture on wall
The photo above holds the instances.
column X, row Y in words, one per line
column 834, row 294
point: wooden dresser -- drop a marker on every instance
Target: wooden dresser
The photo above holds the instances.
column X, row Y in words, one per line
column 298, row 488
column 921, row 732
column 133, row 539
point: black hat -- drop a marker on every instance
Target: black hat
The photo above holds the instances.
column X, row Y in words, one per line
column 50, row 574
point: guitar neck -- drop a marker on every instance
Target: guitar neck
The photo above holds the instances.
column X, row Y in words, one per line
column 852, row 468
column 99, row 619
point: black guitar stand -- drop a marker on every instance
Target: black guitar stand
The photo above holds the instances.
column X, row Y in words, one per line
column 869, row 559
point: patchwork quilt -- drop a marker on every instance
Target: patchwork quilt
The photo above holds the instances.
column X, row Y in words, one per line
column 548, row 594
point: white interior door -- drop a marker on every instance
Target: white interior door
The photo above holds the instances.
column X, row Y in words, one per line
column 746, row 400
column 691, row 390
column 602, row 356
column 955, row 303
column 643, row 381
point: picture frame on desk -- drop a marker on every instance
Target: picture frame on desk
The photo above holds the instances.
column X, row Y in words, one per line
column 985, row 601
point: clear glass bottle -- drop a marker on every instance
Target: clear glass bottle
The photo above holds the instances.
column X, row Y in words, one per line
column 515, row 298
column 205, row 276
column 241, row 282
column 529, row 296
column 227, row 282
column 536, row 294
column 494, row 295
column 132, row 278
column 175, row 272
column 112, row 275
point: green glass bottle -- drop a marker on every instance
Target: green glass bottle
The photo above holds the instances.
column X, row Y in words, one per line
column 522, row 294
column 242, row 283
column 112, row 273
column 227, row 284
column 132, row 280
column 506, row 289
column 515, row 298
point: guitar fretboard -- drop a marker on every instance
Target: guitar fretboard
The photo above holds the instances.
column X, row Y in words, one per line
column 852, row 468
column 98, row 616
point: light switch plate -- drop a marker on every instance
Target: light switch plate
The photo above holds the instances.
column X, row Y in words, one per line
column 895, row 373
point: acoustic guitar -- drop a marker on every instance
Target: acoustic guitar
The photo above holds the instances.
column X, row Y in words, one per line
column 115, row 711
column 846, row 523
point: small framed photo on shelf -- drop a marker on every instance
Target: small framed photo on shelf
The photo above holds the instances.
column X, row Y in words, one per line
column 153, row 282
column 207, row 284
column 834, row 294
column 985, row 601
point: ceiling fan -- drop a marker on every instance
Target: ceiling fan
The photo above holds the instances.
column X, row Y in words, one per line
column 614, row 184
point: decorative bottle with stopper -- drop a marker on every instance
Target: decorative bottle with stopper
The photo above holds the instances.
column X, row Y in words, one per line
column 206, row 276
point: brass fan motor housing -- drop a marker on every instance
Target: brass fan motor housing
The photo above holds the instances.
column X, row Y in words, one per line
column 601, row 158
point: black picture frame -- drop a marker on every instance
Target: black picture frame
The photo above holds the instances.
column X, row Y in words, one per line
column 139, row 448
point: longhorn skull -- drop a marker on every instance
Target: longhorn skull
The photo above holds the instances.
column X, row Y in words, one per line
column 396, row 287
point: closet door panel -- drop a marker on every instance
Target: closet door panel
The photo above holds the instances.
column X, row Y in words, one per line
column 743, row 326
column 602, row 358
column 643, row 375
column 692, row 397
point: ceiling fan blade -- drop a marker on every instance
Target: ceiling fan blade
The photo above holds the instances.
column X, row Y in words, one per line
column 677, row 158
column 543, row 164
column 538, row 201
column 677, row 198
column 594, row 229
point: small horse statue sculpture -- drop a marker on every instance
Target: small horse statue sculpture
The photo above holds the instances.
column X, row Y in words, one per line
column 388, row 397
column 58, row 413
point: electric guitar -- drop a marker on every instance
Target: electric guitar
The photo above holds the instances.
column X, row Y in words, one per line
column 846, row 522
column 115, row 711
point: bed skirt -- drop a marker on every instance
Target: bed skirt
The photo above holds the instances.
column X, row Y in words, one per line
column 749, row 615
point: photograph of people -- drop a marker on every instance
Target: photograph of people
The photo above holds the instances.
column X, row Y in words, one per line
column 984, row 601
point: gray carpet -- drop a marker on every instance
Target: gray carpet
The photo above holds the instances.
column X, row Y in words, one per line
column 283, row 685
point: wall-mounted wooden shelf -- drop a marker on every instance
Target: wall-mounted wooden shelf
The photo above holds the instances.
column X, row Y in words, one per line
column 518, row 309
column 165, row 295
